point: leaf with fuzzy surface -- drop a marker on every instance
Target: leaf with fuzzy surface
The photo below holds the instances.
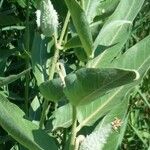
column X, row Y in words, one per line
column 82, row 26
column 89, row 83
column 126, row 10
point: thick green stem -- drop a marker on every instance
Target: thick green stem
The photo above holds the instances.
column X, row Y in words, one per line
column 27, row 76
column 44, row 113
column 64, row 28
column 51, row 74
column 73, row 131
column 52, row 67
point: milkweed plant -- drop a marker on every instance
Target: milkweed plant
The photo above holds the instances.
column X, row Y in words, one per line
column 83, row 73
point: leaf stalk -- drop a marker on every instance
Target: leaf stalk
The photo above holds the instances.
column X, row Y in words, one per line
column 73, row 130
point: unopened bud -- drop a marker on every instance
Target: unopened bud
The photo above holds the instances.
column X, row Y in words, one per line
column 48, row 18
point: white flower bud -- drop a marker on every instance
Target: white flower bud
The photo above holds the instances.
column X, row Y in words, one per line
column 38, row 15
column 97, row 139
column 48, row 18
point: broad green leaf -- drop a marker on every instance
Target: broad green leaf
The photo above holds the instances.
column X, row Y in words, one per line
column 95, row 8
column 12, row 78
column 90, row 83
column 21, row 129
column 82, row 26
column 137, row 57
column 52, row 90
column 39, row 57
column 115, row 139
column 62, row 117
column 126, row 10
column 107, row 7
column 88, row 114
column 104, row 37
column 118, row 112
column 90, row 8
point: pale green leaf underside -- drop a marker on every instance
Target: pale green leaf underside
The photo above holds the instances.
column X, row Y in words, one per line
column 95, row 8
column 14, row 121
column 52, row 90
column 137, row 57
column 65, row 120
column 126, row 10
column 82, row 26
column 107, row 7
column 90, row 7
column 118, row 112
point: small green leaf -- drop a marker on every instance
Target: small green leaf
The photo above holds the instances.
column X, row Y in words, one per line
column 62, row 121
column 39, row 59
column 87, row 84
column 52, row 90
column 82, row 26
column 73, row 43
column 34, row 110
column 81, row 55
column 14, row 121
